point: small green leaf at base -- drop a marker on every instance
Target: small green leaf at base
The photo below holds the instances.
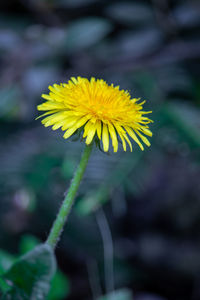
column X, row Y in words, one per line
column 30, row 276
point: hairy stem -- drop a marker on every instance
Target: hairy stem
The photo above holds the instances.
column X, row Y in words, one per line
column 68, row 201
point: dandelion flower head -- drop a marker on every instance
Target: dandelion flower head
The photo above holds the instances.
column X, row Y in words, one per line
column 99, row 111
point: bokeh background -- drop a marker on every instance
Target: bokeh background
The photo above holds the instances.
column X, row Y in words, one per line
column 135, row 226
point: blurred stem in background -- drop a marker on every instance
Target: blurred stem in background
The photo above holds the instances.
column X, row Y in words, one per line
column 65, row 209
column 94, row 279
column 108, row 249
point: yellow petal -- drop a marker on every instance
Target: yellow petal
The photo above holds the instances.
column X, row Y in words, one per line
column 82, row 121
column 105, row 138
column 145, row 130
column 143, row 138
column 50, row 105
column 120, row 131
column 47, row 97
column 91, row 133
column 134, row 137
column 87, row 128
column 69, row 132
column 58, row 125
column 127, row 139
column 113, row 137
column 55, row 88
column 123, row 141
column 47, row 113
column 69, row 122
column 52, row 119
column 99, row 129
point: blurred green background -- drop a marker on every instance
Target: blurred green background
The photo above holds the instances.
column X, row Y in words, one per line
column 135, row 226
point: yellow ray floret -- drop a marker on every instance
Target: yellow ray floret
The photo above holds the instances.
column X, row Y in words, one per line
column 103, row 112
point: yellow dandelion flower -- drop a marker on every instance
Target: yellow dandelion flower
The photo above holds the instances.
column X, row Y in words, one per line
column 102, row 111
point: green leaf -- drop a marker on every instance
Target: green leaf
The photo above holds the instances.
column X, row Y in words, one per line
column 123, row 294
column 60, row 284
column 30, row 276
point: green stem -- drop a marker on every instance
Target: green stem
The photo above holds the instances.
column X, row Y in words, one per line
column 64, row 211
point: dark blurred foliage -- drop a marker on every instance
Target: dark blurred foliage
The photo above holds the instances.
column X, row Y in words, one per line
column 150, row 200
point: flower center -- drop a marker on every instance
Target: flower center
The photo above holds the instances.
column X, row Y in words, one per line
column 100, row 111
